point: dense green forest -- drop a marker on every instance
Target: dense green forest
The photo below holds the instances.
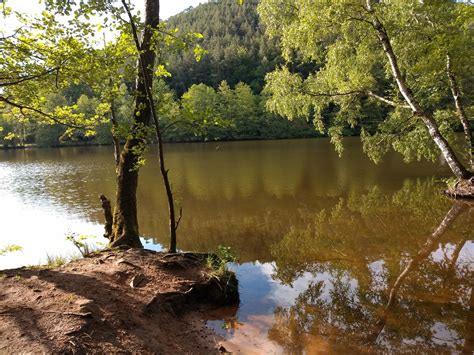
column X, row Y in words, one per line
column 237, row 48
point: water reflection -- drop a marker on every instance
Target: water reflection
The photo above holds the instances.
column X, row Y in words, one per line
column 336, row 254
column 374, row 273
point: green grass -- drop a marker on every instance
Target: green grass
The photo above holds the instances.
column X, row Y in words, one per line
column 59, row 260
column 55, row 260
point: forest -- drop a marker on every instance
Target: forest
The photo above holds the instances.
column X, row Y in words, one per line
column 218, row 93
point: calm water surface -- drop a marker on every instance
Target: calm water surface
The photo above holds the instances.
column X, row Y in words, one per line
column 335, row 254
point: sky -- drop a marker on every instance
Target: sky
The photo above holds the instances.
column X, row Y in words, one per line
column 31, row 7
column 167, row 7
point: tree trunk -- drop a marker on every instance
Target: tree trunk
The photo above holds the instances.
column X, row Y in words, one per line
column 173, row 225
column 125, row 227
column 115, row 138
column 454, row 86
column 107, row 215
column 454, row 163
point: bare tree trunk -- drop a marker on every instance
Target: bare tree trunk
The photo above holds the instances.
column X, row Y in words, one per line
column 454, row 163
column 456, row 92
column 125, row 227
column 173, row 224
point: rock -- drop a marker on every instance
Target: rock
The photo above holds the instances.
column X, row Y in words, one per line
column 223, row 350
column 85, row 305
column 137, row 280
column 126, row 262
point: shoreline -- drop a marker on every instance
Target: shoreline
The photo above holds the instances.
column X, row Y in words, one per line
column 133, row 300
column 34, row 146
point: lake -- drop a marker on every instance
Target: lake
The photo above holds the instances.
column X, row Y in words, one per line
column 334, row 254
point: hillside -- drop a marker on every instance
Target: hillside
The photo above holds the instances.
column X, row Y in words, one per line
column 238, row 50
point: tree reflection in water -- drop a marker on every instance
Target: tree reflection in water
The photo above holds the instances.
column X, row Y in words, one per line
column 392, row 286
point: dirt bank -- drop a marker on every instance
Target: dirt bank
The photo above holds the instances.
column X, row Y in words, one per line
column 121, row 300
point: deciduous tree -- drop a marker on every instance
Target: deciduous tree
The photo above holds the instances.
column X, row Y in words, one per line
column 391, row 52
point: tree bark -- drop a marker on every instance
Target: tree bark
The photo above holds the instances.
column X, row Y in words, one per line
column 115, row 138
column 450, row 157
column 125, row 227
column 456, row 92
column 107, row 215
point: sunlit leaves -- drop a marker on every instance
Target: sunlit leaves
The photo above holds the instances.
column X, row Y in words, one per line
column 10, row 249
column 161, row 71
column 199, row 52
column 57, row 50
column 339, row 39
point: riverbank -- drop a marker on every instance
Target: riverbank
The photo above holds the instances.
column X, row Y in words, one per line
column 166, row 141
column 122, row 300
column 463, row 189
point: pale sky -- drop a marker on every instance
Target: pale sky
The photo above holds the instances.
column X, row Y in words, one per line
column 168, row 7
column 31, row 7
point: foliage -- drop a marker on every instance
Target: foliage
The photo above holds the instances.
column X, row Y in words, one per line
column 226, row 254
column 353, row 69
column 80, row 242
column 218, row 262
column 230, row 114
column 11, row 248
column 80, row 95
column 53, row 261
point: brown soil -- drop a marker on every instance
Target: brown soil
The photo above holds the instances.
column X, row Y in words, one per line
column 90, row 305
column 462, row 189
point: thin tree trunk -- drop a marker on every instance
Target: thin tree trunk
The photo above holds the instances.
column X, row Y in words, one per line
column 454, row 163
column 456, row 92
column 173, row 224
column 125, row 227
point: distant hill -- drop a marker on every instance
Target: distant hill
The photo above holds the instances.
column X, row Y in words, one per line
column 238, row 50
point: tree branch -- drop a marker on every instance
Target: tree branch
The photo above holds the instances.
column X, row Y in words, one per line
column 387, row 101
column 38, row 111
column 331, row 94
column 4, row 38
column 30, row 77
column 356, row 92
column 174, row 123
column 179, row 218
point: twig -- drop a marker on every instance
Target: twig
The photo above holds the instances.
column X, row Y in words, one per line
column 179, row 218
